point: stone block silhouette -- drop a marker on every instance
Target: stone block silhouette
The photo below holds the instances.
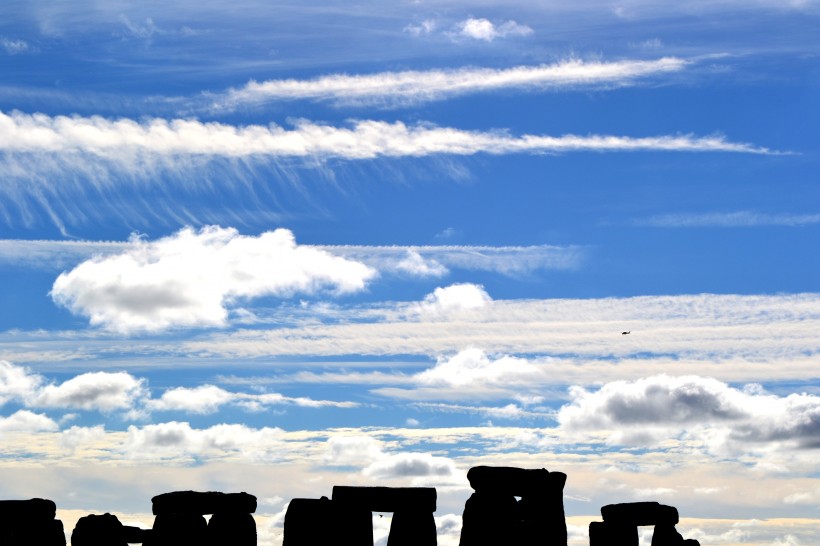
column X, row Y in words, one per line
column 98, row 530
column 612, row 534
column 489, row 519
column 641, row 513
column 386, row 499
column 621, row 522
column 666, row 535
column 413, row 522
column 348, row 517
column 412, row 528
column 28, row 522
column 201, row 503
column 310, row 522
column 135, row 535
column 178, row 530
column 180, row 519
column 493, row 515
column 231, row 529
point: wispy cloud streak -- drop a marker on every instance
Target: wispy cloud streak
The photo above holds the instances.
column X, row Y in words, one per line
column 127, row 139
column 413, row 87
column 729, row 219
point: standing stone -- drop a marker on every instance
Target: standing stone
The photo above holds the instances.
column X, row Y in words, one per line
column 310, row 522
column 412, row 528
column 98, row 530
column 178, row 530
column 231, row 529
column 30, row 522
column 666, row 535
column 602, row 533
column 489, row 519
column 542, row 513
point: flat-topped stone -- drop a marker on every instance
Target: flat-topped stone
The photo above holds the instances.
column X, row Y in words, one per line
column 387, row 499
column 640, row 513
column 31, row 509
column 519, row 482
column 201, row 503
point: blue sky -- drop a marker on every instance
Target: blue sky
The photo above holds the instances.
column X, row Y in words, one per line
column 274, row 248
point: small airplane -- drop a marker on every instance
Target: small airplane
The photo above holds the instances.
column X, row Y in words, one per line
column 625, row 333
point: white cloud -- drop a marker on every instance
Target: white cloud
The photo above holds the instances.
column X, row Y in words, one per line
column 17, row 382
column 352, row 450
column 203, row 399
column 472, row 367
column 26, row 421
column 422, row 261
column 190, row 279
column 438, row 260
column 409, row 87
column 425, row 27
column 454, row 298
column 413, row 465
column 657, row 407
column 483, row 29
column 174, row 440
column 14, row 47
column 730, row 219
column 102, row 391
column 417, row 266
column 130, row 143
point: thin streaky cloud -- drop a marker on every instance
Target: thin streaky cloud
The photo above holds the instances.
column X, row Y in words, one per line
column 126, row 140
column 411, row 261
column 729, row 219
column 413, row 86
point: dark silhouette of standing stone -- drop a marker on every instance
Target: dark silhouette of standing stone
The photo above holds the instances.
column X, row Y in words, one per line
column 348, row 517
column 29, row 522
column 231, row 529
column 201, row 503
column 98, row 530
column 493, row 516
column 310, row 522
column 413, row 522
column 180, row 519
column 178, row 530
column 412, row 528
column 135, row 535
column 641, row 513
column 621, row 522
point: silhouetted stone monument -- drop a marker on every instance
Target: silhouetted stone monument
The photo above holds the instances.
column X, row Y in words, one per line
column 621, row 522
column 98, row 530
column 348, row 517
column 28, row 522
column 180, row 519
column 310, row 521
column 493, row 515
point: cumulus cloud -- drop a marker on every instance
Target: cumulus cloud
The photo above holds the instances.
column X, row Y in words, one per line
column 416, row 86
column 352, row 450
column 26, row 421
column 17, row 382
column 203, row 399
column 472, row 367
column 176, row 439
column 486, row 30
column 454, row 298
column 665, row 406
column 102, row 391
column 191, row 278
column 412, row 465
